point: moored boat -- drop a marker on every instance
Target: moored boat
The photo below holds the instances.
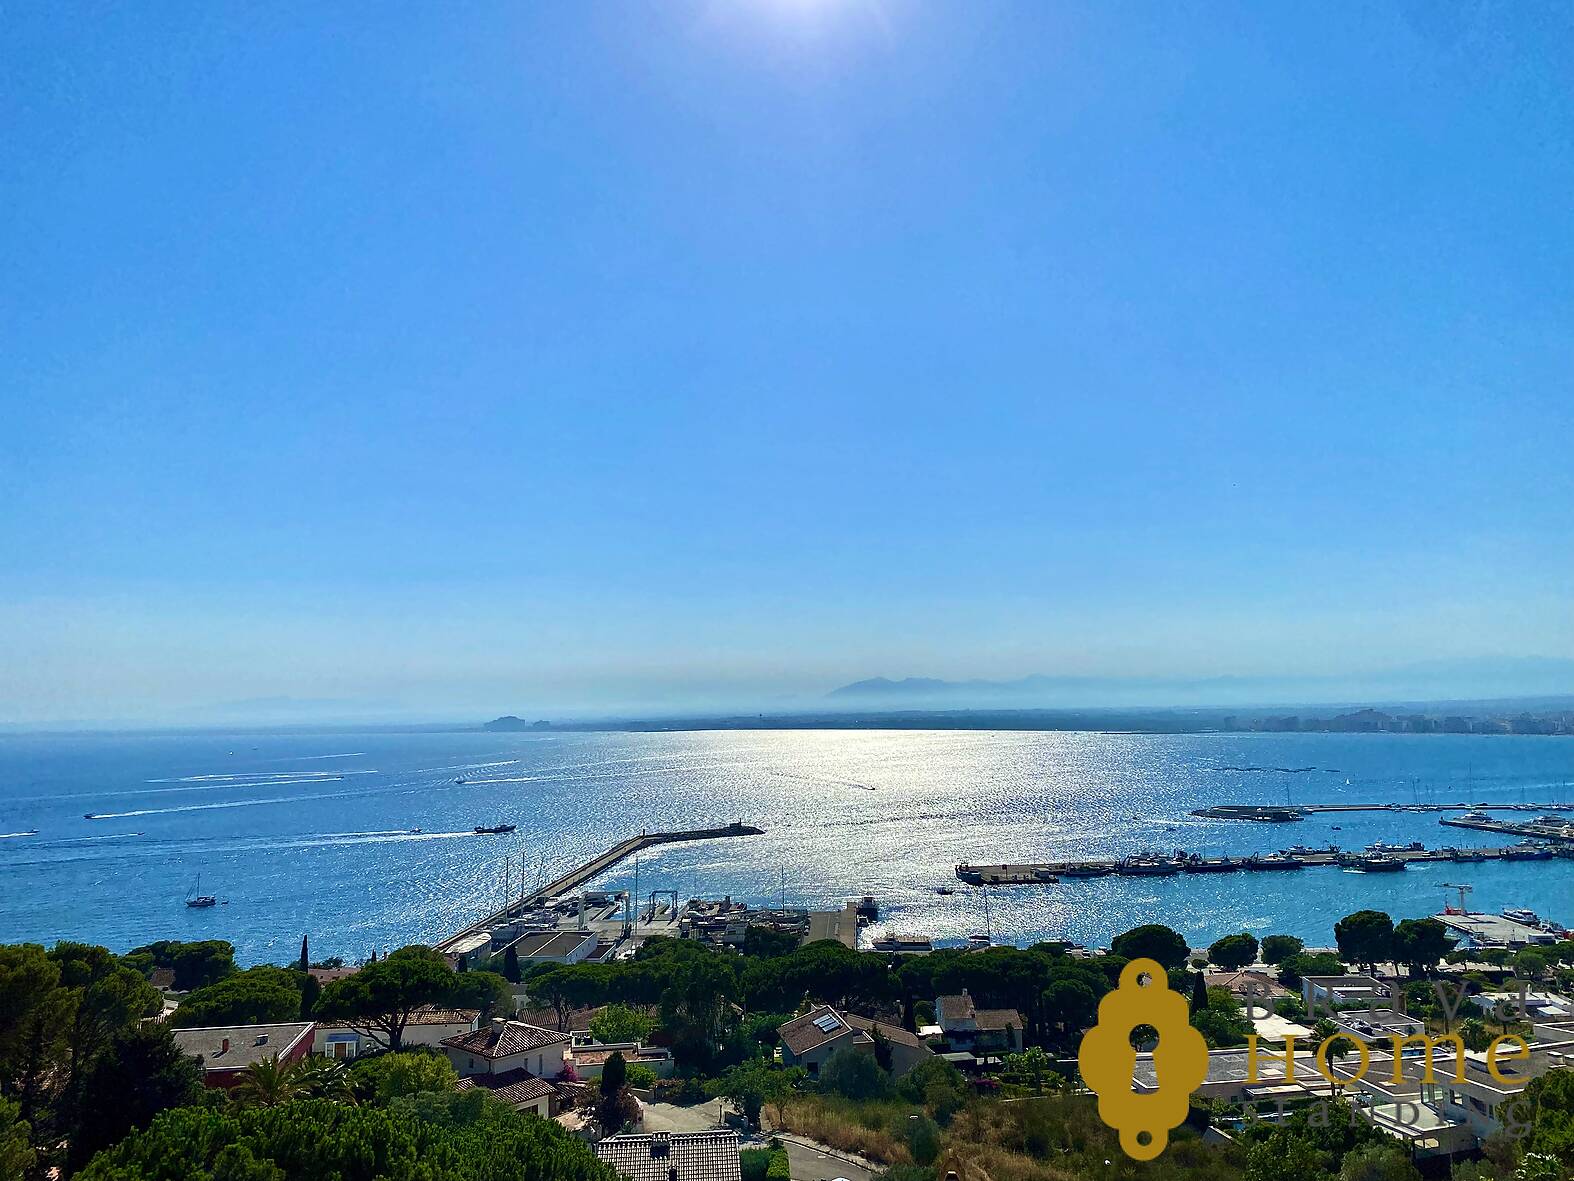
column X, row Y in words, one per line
column 1273, row 861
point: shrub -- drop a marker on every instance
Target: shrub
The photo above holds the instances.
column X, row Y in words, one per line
column 753, row 1163
column 392, row 1076
column 854, row 1075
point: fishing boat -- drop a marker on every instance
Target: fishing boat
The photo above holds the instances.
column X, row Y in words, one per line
column 1373, row 863
column 1048, row 877
column 1149, row 867
column 1385, row 847
column 1527, row 852
column 1467, row 855
column 495, row 828
column 1086, row 871
column 196, row 899
column 1203, row 865
column 944, row 890
column 1273, row 861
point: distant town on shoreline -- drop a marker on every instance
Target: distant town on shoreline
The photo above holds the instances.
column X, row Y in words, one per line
column 1514, row 717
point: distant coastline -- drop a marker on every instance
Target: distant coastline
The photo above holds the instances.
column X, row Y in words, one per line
column 1511, row 717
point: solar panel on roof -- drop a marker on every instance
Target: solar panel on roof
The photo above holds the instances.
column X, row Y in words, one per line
column 826, row 1023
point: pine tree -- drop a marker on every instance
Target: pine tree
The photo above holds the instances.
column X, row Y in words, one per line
column 1199, row 992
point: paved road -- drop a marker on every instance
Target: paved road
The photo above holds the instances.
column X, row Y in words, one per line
column 812, row 1164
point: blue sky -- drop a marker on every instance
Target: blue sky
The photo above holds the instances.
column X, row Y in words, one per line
column 575, row 356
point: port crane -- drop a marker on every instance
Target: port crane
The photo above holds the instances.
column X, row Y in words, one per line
column 1463, row 890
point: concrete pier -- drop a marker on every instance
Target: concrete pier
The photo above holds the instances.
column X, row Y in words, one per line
column 1038, row 872
column 1283, row 812
column 597, row 865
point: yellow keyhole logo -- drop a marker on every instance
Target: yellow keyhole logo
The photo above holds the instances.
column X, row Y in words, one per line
column 1107, row 1059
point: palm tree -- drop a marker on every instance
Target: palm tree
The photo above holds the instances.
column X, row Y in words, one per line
column 269, row 1083
column 319, row 1077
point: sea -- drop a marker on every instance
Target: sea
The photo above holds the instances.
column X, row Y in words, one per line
column 365, row 842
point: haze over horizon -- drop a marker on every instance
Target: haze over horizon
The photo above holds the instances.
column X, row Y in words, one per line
column 605, row 357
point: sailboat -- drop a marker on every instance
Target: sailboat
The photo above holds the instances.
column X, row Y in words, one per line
column 195, row 897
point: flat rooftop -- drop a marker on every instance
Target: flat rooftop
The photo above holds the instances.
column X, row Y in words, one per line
column 551, row 944
column 235, row 1047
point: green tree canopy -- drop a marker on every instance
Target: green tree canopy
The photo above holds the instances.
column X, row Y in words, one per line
column 1549, row 1111
column 1421, row 944
column 1153, row 941
column 751, row 1085
column 1302, row 964
column 195, row 964
column 1530, row 963
column 1233, row 951
column 1365, row 937
column 16, row 1149
column 380, row 998
column 315, row 1140
column 141, row 1073
column 258, row 996
column 1278, row 948
column 387, row 1077
column 621, row 1023
column 1378, row 1162
column 489, row 992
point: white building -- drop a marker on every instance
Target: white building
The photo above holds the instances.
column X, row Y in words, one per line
column 427, row 1027
column 512, row 1060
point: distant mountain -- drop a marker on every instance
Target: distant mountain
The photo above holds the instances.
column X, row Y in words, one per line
column 1473, row 679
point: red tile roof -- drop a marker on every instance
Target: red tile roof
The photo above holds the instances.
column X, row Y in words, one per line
column 512, row 1086
column 660, row 1156
column 499, row 1039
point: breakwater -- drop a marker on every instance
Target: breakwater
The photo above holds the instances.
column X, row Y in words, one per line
column 1043, row 872
column 1291, row 812
column 597, row 865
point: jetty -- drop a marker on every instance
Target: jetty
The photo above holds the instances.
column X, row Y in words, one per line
column 1043, row 872
column 1536, row 830
column 597, row 865
column 1284, row 812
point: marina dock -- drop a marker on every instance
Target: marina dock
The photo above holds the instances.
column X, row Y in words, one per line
column 1290, row 812
column 1048, row 871
column 1494, row 930
column 597, row 865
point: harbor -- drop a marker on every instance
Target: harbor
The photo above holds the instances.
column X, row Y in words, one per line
column 1386, row 858
column 585, row 872
column 1279, row 813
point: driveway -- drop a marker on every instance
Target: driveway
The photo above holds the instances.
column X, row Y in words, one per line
column 671, row 1117
column 807, row 1161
